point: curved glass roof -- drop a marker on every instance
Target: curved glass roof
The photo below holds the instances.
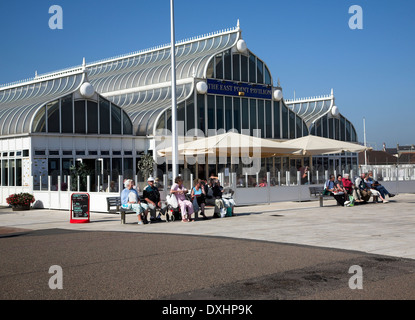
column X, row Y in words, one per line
column 311, row 109
column 139, row 83
column 19, row 104
column 317, row 111
column 154, row 66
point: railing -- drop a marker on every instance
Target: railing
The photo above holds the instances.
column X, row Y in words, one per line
column 249, row 189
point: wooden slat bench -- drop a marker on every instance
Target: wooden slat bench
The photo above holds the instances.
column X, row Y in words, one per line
column 114, row 206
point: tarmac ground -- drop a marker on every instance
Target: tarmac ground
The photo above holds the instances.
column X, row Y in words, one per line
column 282, row 251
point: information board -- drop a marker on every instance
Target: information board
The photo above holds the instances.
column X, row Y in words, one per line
column 80, row 208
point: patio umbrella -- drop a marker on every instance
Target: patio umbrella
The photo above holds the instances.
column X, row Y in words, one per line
column 232, row 144
column 312, row 145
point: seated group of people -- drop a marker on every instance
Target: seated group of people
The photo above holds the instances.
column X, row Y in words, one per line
column 346, row 192
column 150, row 201
column 201, row 194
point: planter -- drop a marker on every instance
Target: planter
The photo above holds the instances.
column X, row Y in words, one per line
column 21, row 208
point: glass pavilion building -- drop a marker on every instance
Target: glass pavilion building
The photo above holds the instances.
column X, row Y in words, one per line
column 107, row 114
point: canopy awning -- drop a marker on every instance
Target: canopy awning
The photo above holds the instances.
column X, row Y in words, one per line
column 312, row 145
column 231, row 144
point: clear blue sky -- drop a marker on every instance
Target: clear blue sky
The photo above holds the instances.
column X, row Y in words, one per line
column 306, row 43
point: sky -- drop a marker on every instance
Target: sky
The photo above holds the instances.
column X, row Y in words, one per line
column 307, row 44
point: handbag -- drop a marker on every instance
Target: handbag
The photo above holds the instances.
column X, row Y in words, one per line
column 172, row 201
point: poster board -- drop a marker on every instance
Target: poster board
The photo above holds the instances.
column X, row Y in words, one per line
column 80, row 211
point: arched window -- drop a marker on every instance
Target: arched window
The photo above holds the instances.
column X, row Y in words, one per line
column 82, row 117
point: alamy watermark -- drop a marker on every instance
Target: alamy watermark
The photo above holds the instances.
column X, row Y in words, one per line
column 356, row 20
column 56, row 20
column 356, row 281
column 56, row 281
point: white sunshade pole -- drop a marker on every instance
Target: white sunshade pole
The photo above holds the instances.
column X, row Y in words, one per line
column 175, row 159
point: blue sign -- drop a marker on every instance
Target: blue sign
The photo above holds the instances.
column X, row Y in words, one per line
column 239, row 89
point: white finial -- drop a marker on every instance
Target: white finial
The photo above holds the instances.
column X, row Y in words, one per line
column 83, row 61
column 332, row 92
column 278, row 83
column 36, row 74
column 238, row 24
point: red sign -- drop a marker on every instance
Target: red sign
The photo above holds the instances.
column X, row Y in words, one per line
column 80, row 208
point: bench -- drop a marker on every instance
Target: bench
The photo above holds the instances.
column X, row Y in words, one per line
column 317, row 192
column 114, row 206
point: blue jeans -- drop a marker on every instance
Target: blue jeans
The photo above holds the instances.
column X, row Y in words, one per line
column 382, row 191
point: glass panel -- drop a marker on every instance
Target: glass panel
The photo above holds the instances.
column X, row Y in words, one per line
column 292, row 124
column 313, row 130
column 325, row 126
column 209, row 72
column 161, row 124
column 104, row 116
column 236, row 69
column 190, row 114
column 268, row 119
column 219, row 67
column 299, row 127
column 260, row 73
column 277, row 120
column 219, row 112
column 252, row 116
column 92, row 117
column 80, row 122
column 228, row 113
column 39, row 123
column 19, row 172
column 211, row 112
column 318, row 127
column 11, row 172
column 228, row 65
column 168, row 121
column 115, row 119
column 53, row 116
column 252, row 69
column 237, row 114
column 128, row 168
column 337, row 129
column 353, row 134
column 181, row 113
column 244, row 68
column 261, row 123
column 331, row 129
column 284, row 122
column 4, row 172
column 127, row 124
column 201, row 112
column 267, row 76
column 67, row 115
column 245, row 112
column 342, row 129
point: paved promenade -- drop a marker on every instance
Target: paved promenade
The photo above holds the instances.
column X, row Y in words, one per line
column 280, row 251
column 385, row 229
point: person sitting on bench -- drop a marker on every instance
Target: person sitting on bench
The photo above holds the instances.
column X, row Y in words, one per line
column 130, row 200
column 331, row 189
column 185, row 205
column 151, row 196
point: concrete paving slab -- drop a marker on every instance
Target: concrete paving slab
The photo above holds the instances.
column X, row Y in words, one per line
column 385, row 229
